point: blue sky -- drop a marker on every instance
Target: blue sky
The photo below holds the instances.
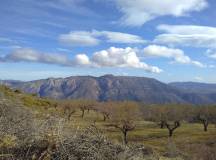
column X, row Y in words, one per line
column 170, row 40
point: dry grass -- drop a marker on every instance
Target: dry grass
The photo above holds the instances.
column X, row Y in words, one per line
column 149, row 133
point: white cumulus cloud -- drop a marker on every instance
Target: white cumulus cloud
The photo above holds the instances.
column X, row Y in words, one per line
column 187, row 35
column 86, row 38
column 82, row 59
column 137, row 12
column 121, row 57
column 176, row 55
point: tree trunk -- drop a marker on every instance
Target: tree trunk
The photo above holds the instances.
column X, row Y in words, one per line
column 170, row 132
column 69, row 117
column 125, row 137
column 205, row 124
column 83, row 112
column 162, row 124
column 104, row 118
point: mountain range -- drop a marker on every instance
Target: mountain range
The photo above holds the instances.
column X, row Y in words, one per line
column 118, row 88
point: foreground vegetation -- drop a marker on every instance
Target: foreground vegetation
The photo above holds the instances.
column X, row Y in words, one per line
column 35, row 128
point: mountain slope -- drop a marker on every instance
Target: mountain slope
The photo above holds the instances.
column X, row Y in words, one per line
column 110, row 87
column 205, row 91
column 195, row 87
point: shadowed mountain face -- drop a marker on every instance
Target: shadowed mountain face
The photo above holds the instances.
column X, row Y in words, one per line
column 110, row 87
column 194, row 87
column 206, row 92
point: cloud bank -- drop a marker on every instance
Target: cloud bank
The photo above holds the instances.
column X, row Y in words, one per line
column 138, row 12
column 187, row 35
column 177, row 55
column 30, row 55
column 112, row 57
column 86, row 38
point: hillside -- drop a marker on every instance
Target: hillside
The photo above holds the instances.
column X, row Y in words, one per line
column 111, row 87
column 195, row 87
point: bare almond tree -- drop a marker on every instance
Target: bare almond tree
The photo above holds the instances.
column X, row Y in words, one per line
column 167, row 116
column 205, row 115
column 85, row 105
column 69, row 110
column 123, row 117
column 172, row 127
column 105, row 108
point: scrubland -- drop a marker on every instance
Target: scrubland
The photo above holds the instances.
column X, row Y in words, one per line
column 45, row 129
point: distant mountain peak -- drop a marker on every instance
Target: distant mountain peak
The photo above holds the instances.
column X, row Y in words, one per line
column 108, row 75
